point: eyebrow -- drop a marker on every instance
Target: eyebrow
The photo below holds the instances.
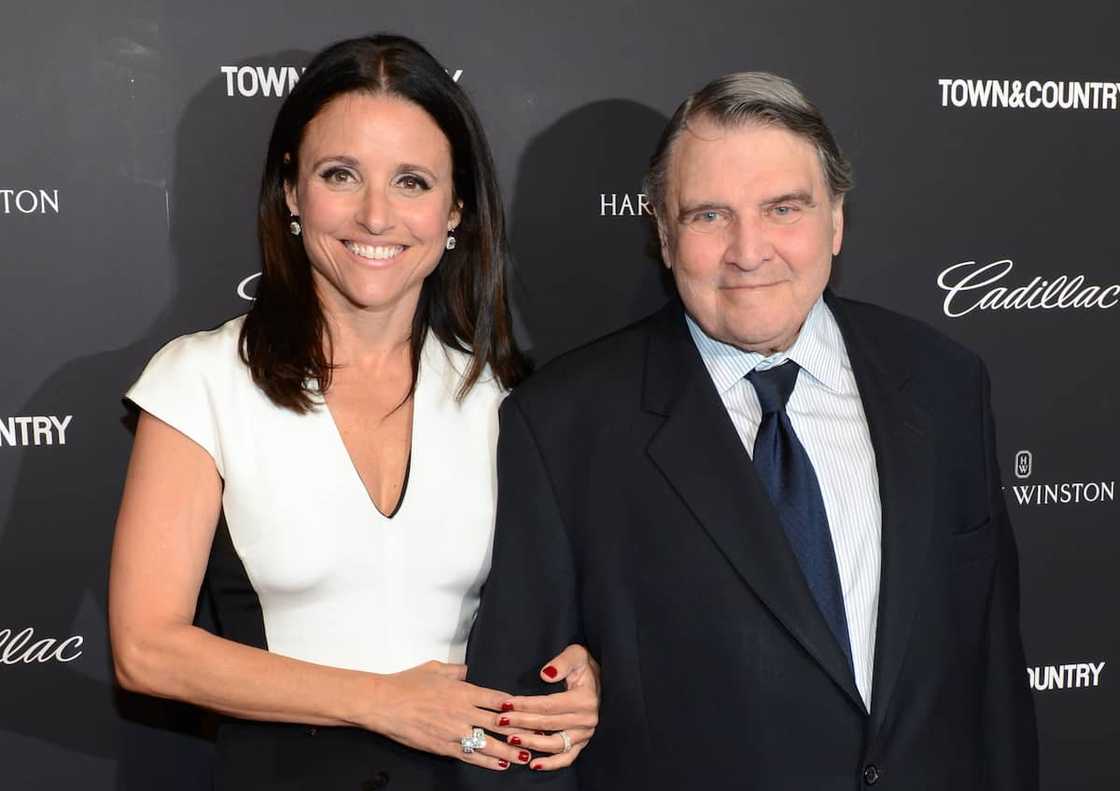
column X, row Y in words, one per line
column 349, row 161
column 407, row 166
column 341, row 158
column 790, row 197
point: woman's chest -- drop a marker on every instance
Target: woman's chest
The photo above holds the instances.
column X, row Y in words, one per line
column 301, row 518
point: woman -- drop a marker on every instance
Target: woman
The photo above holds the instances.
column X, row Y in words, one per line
column 346, row 429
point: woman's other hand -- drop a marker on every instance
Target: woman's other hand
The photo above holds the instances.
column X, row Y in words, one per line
column 539, row 722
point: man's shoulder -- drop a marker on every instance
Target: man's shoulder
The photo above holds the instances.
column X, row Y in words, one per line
column 603, row 369
column 896, row 336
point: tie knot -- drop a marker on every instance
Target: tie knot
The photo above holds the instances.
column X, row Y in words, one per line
column 774, row 385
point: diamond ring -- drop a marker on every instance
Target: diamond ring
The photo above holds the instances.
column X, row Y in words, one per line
column 476, row 741
column 567, row 740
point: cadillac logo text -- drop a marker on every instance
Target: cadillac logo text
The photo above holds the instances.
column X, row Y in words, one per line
column 22, row 648
column 970, row 286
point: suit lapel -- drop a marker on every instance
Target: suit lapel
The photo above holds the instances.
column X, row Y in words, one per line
column 904, row 459
column 699, row 452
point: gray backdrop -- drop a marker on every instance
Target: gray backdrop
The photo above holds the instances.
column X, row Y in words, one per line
column 984, row 141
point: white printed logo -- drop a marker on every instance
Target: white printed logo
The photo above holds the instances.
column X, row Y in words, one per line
column 1075, row 675
column 37, row 430
column 1030, row 94
column 18, row 648
column 36, row 201
column 613, row 204
column 1061, row 493
column 244, row 285
column 260, row 80
column 271, row 80
column 967, row 286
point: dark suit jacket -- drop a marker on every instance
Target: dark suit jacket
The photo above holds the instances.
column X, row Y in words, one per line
column 631, row 520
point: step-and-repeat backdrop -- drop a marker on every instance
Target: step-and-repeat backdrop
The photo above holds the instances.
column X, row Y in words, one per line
column 985, row 139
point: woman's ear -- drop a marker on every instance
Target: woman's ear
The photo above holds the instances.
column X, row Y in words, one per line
column 291, row 192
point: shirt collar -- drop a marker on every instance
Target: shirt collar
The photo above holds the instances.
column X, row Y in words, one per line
column 819, row 350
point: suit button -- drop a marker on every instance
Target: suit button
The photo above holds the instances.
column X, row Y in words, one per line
column 377, row 782
column 871, row 774
column 312, row 731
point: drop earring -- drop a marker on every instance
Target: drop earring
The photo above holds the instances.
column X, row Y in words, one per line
column 294, row 227
column 450, row 244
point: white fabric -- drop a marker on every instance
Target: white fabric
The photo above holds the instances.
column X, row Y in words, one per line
column 339, row 583
column 827, row 414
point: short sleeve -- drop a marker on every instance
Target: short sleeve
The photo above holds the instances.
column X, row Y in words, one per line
column 178, row 387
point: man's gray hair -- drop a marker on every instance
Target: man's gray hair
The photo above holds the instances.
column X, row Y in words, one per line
column 750, row 97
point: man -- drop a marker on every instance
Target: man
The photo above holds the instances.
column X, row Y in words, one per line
column 774, row 515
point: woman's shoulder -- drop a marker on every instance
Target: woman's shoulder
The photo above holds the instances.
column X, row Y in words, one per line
column 213, row 350
column 452, row 364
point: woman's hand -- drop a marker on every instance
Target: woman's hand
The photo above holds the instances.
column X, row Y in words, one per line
column 539, row 722
column 430, row 707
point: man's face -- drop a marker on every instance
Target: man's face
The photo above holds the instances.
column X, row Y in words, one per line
column 749, row 231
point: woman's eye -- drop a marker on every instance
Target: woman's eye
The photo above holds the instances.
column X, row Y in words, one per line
column 337, row 176
column 412, row 182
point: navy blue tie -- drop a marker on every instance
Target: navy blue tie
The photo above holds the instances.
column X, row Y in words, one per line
column 786, row 471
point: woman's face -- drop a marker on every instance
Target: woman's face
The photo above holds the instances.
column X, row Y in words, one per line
column 374, row 195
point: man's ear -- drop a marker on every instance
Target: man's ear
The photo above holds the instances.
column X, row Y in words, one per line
column 837, row 224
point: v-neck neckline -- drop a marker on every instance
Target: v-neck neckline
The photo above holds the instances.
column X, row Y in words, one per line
column 347, row 459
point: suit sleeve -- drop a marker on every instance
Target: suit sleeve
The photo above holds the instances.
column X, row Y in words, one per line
column 1011, row 735
column 529, row 610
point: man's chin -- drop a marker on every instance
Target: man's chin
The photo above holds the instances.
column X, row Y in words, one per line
column 761, row 336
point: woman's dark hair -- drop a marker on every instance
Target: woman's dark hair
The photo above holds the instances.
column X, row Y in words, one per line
column 285, row 339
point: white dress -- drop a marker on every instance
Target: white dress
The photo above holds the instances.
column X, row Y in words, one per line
column 309, row 568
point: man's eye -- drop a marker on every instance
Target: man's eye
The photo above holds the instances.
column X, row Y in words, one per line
column 785, row 213
column 706, row 217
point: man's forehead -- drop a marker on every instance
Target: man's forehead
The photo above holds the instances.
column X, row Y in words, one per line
column 709, row 156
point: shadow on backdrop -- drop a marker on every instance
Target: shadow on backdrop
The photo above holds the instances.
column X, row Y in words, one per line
column 55, row 547
column 585, row 260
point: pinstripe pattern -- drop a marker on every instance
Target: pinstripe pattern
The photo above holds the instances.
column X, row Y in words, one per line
column 827, row 414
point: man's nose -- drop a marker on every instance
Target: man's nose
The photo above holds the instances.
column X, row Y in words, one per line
column 749, row 245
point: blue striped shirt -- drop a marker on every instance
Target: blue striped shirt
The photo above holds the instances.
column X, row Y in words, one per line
column 827, row 414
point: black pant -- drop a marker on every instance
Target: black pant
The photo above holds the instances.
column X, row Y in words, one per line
column 284, row 757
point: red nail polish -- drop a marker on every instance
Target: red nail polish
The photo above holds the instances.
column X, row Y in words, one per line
column 523, row 756
column 503, row 721
column 536, row 766
column 550, row 671
column 503, row 763
column 507, row 707
column 515, row 741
